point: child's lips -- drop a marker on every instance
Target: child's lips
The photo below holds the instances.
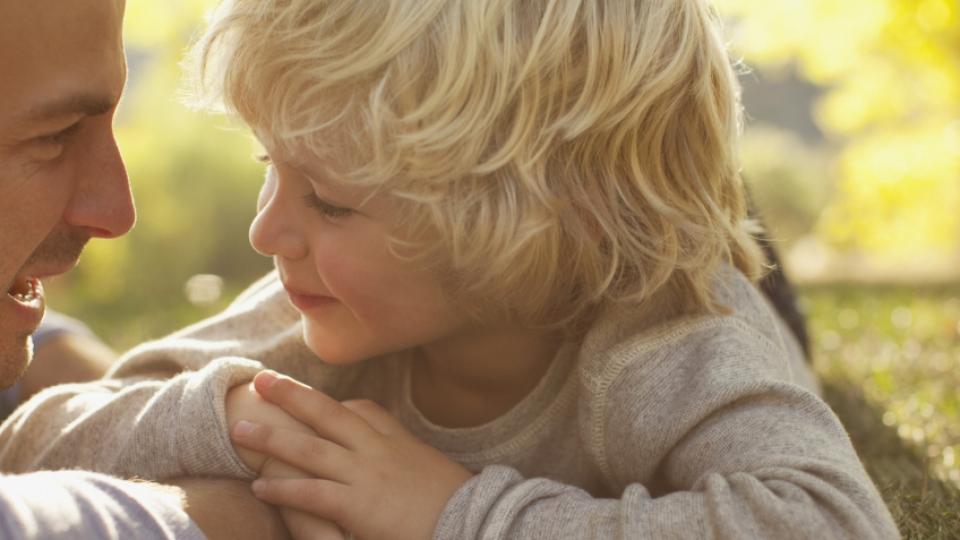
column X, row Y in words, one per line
column 306, row 301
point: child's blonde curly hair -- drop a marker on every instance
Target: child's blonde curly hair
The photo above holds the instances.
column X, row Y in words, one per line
column 553, row 156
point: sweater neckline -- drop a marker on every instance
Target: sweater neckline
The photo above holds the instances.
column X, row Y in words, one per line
column 499, row 431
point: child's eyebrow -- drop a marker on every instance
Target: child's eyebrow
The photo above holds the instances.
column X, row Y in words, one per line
column 324, row 175
column 322, row 181
column 330, row 183
column 304, row 170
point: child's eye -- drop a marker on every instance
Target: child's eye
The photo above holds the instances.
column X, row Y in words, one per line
column 326, row 209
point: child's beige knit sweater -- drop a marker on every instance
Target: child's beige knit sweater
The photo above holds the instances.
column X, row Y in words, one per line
column 693, row 428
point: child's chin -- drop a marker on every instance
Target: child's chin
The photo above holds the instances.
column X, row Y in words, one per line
column 344, row 343
column 336, row 354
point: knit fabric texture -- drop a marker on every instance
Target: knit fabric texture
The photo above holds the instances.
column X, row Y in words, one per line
column 690, row 427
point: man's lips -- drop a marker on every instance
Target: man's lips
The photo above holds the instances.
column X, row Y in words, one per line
column 51, row 271
column 23, row 307
column 25, row 303
column 26, row 290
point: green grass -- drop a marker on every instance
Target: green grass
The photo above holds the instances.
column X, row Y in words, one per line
column 889, row 358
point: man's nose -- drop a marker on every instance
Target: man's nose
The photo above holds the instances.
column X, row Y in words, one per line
column 102, row 203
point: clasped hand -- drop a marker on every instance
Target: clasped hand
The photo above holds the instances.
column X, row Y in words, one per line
column 350, row 463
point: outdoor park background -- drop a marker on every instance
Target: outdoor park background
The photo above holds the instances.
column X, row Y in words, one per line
column 852, row 151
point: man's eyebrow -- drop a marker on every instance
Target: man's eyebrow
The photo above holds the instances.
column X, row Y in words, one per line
column 82, row 104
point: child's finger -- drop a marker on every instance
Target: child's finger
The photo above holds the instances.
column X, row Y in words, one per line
column 323, row 498
column 375, row 415
column 325, row 415
column 314, row 455
column 304, row 526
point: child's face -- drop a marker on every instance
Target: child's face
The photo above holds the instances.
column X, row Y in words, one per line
column 356, row 299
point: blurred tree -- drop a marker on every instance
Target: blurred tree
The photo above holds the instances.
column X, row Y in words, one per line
column 195, row 186
column 892, row 70
column 786, row 181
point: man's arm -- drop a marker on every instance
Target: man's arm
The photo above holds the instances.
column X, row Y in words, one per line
column 156, row 427
column 161, row 414
column 78, row 504
column 227, row 510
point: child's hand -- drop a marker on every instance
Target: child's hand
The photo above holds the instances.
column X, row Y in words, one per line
column 371, row 476
column 301, row 525
column 244, row 403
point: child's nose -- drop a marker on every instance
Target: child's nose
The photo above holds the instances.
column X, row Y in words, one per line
column 271, row 232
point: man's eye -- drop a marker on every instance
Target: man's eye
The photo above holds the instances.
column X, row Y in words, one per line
column 326, row 209
column 61, row 137
column 263, row 158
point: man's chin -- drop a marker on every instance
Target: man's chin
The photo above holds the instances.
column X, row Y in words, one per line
column 15, row 355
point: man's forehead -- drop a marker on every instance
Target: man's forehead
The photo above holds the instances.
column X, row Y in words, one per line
column 59, row 59
column 51, row 20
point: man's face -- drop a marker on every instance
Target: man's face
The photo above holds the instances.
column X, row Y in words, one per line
column 62, row 181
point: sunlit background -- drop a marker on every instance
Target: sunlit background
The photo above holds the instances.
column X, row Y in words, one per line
column 852, row 151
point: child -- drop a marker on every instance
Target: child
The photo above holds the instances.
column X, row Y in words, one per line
column 514, row 235
column 526, row 217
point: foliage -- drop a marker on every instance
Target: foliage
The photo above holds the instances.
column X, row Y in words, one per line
column 892, row 69
column 786, row 178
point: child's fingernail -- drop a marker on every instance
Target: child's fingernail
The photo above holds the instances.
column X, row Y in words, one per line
column 244, row 428
column 268, row 378
column 258, row 486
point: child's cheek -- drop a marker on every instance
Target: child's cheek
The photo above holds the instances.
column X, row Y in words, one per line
column 350, row 277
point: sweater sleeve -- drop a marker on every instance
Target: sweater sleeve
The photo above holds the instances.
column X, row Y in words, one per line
column 74, row 504
column 160, row 413
column 149, row 428
column 700, row 440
